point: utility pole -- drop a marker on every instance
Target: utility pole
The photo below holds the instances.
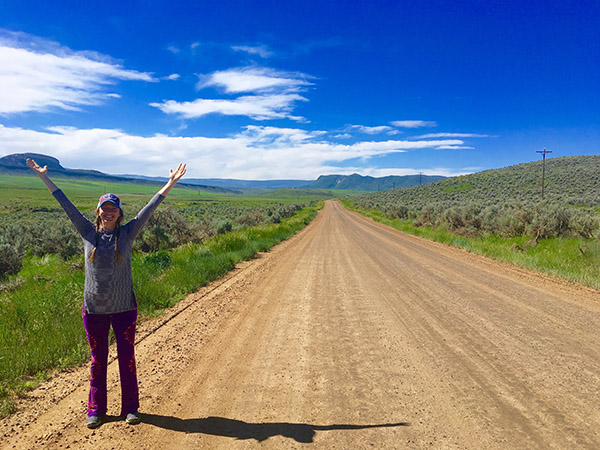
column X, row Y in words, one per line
column 420, row 176
column 543, row 152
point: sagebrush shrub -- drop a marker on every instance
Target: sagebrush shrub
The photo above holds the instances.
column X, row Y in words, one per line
column 222, row 226
column 165, row 229
column 251, row 218
column 550, row 221
column 10, row 260
column 396, row 211
column 584, row 224
column 425, row 217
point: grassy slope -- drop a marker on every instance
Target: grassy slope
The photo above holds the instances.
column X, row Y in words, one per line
column 573, row 179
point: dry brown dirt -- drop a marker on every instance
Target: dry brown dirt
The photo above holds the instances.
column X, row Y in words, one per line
column 351, row 335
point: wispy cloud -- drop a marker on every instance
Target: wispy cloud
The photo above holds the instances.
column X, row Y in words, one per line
column 255, row 79
column 258, row 107
column 451, row 135
column 373, row 130
column 454, row 147
column 39, row 75
column 376, row 172
column 260, row 50
column 275, row 136
column 255, row 153
column 413, row 123
column 276, row 94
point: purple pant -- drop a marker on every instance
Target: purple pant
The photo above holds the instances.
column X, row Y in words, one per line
column 97, row 327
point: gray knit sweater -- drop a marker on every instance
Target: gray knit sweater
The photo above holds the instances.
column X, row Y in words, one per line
column 108, row 285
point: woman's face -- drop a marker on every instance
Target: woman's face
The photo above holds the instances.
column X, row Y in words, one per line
column 109, row 214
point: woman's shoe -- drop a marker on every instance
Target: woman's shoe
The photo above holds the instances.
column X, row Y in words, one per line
column 133, row 418
column 93, row 421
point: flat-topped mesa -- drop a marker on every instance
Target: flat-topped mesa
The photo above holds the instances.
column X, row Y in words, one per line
column 17, row 160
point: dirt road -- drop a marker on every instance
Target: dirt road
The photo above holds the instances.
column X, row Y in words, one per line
column 351, row 335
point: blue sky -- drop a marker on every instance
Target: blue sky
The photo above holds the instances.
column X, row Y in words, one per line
column 297, row 89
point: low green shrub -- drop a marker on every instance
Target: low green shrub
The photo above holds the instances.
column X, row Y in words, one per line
column 160, row 259
column 10, row 260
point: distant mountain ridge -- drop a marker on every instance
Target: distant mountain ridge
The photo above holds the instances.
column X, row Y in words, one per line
column 230, row 183
column 15, row 165
column 367, row 183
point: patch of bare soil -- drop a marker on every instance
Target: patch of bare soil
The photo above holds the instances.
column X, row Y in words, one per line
column 351, row 335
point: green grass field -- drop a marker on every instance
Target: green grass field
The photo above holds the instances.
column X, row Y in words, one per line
column 21, row 192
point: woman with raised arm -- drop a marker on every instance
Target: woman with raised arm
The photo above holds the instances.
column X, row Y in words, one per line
column 108, row 297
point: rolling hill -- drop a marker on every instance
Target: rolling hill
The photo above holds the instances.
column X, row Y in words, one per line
column 571, row 179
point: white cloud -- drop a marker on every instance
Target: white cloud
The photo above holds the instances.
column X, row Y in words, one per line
column 373, row 130
column 268, row 136
column 451, row 135
column 374, row 172
column 401, row 146
column 258, row 107
column 38, row 75
column 275, row 95
column 259, row 50
column 255, row 153
column 413, row 123
column 172, row 77
column 454, row 147
column 255, row 79
column 173, row 49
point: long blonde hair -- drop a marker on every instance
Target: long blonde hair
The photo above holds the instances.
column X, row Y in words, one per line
column 98, row 222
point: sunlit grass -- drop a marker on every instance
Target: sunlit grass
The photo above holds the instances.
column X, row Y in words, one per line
column 26, row 193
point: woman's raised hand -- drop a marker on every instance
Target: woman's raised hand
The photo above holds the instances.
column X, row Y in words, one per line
column 36, row 168
column 42, row 172
column 175, row 175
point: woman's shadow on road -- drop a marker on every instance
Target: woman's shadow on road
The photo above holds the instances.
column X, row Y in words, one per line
column 220, row 426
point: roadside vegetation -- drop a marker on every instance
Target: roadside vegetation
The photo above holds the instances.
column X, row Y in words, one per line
column 192, row 239
column 500, row 214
